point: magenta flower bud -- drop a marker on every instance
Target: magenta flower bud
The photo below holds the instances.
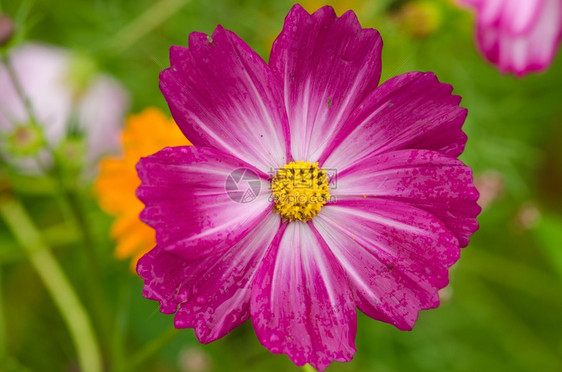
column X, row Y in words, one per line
column 518, row 36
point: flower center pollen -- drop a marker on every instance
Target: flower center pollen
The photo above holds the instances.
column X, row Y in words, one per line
column 299, row 189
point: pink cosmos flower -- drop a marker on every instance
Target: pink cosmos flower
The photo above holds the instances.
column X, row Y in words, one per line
column 519, row 36
column 356, row 198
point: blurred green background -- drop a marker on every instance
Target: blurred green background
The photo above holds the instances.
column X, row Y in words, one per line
column 503, row 308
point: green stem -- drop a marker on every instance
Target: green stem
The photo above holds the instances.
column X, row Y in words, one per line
column 54, row 279
column 308, row 368
column 3, row 338
column 144, row 24
column 71, row 198
column 118, row 361
column 19, row 90
column 151, row 348
column 69, row 193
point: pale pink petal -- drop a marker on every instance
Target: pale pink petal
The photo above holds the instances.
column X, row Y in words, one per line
column 211, row 294
column 301, row 304
column 328, row 65
column 43, row 74
column 223, row 95
column 425, row 179
column 190, row 203
column 409, row 111
column 395, row 256
column 101, row 114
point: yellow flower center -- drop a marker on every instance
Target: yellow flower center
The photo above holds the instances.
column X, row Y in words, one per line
column 299, row 189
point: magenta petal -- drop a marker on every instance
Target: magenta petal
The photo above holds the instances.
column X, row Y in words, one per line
column 425, row 179
column 301, row 305
column 395, row 256
column 211, row 295
column 190, row 202
column 409, row 111
column 223, row 95
column 328, row 65
column 165, row 278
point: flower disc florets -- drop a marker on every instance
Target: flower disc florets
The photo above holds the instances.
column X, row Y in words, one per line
column 299, row 190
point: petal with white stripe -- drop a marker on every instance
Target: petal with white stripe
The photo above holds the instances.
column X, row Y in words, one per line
column 223, row 95
column 325, row 74
column 394, row 255
column 301, row 304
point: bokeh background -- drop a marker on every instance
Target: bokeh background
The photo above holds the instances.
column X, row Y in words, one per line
column 503, row 308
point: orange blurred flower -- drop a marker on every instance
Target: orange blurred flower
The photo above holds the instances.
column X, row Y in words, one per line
column 144, row 134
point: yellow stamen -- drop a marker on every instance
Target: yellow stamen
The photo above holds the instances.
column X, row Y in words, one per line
column 299, row 189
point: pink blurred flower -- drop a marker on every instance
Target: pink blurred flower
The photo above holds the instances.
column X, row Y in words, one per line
column 528, row 216
column 519, row 36
column 51, row 82
column 194, row 359
column 490, row 185
column 379, row 234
